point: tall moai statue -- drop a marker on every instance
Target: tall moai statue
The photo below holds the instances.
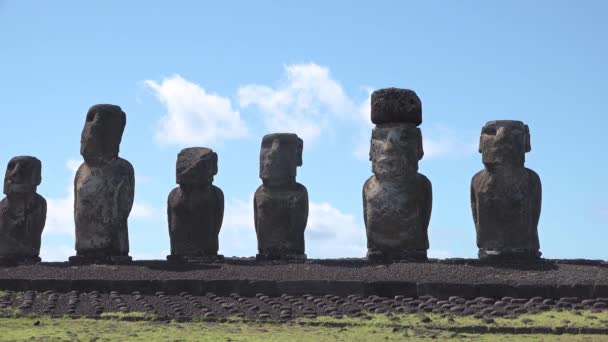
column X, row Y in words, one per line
column 280, row 203
column 103, row 189
column 22, row 212
column 397, row 200
column 195, row 209
column 506, row 196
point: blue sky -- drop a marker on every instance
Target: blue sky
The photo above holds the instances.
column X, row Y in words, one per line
column 223, row 74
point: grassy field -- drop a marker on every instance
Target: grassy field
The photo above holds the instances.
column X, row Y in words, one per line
column 378, row 328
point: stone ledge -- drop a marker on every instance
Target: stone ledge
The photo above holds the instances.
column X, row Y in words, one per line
column 249, row 288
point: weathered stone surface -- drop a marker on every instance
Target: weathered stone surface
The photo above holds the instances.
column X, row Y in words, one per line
column 506, row 196
column 280, row 204
column 195, row 209
column 22, row 211
column 103, row 189
column 397, row 200
column 392, row 105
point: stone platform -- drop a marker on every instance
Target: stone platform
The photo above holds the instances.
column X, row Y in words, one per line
column 468, row 278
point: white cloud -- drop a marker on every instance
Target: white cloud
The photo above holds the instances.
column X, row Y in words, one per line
column 162, row 255
column 237, row 236
column 60, row 211
column 50, row 252
column 331, row 233
column 361, row 150
column 142, row 211
column 440, row 141
column 438, row 254
column 194, row 116
column 305, row 102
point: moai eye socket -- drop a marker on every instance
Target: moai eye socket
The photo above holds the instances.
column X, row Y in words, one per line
column 378, row 134
column 491, row 130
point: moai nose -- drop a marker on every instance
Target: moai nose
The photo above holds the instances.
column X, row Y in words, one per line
column 500, row 133
column 390, row 142
column 15, row 174
column 275, row 145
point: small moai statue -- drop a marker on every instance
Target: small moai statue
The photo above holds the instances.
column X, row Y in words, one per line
column 280, row 203
column 104, row 187
column 22, row 212
column 397, row 200
column 195, row 209
column 505, row 195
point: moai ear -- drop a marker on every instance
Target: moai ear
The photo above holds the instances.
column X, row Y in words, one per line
column 370, row 151
column 419, row 147
column 480, row 139
column 527, row 139
column 299, row 149
column 37, row 170
column 214, row 163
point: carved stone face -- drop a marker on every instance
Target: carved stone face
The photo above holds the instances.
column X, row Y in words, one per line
column 102, row 133
column 395, row 150
column 196, row 166
column 504, row 142
column 280, row 155
column 22, row 175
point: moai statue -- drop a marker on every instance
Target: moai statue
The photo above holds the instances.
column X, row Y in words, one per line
column 506, row 196
column 280, row 204
column 397, row 200
column 22, row 212
column 195, row 209
column 103, row 189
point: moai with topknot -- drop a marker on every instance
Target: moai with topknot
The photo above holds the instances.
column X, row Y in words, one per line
column 280, row 203
column 505, row 195
column 397, row 200
column 22, row 212
column 195, row 209
column 104, row 187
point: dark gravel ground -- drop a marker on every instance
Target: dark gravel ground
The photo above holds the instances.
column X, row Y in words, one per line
column 548, row 272
column 261, row 307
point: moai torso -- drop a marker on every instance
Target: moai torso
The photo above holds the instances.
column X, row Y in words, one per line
column 397, row 200
column 22, row 212
column 506, row 196
column 397, row 214
column 280, row 219
column 196, row 208
column 280, row 204
column 103, row 201
column 104, row 188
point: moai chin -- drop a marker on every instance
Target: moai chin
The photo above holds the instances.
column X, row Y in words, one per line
column 506, row 196
column 22, row 212
column 103, row 189
column 280, row 203
column 195, row 209
column 397, row 200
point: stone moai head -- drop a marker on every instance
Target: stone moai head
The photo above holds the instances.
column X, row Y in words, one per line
column 396, row 144
column 395, row 150
column 280, row 155
column 504, row 142
column 196, row 166
column 102, row 133
column 22, row 175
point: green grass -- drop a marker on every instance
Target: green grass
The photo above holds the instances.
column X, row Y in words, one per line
column 378, row 328
column 545, row 319
column 119, row 315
